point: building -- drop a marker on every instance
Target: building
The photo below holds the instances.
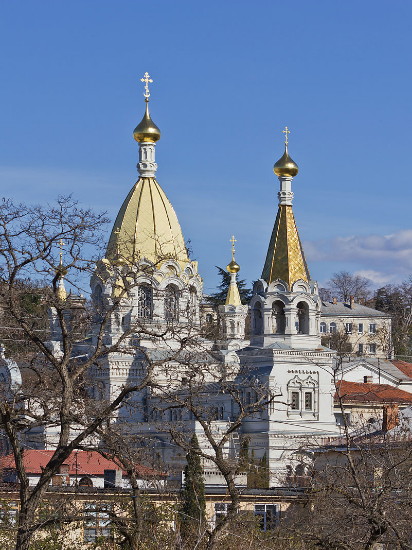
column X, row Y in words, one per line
column 356, row 328
column 280, row 382
column 80, row 469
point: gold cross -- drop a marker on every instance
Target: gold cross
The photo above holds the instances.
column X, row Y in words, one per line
column 286, row 131
column 233, row 241
column 146, row 78
column 61, row 244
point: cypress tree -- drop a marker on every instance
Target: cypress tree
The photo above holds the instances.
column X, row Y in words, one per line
column 218, row 298
column 193, row 491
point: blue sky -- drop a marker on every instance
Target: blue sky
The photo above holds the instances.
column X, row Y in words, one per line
column 229, row 75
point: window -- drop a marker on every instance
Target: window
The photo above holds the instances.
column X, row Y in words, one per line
column 332, row 328
column 294, row 405
column 267, row 514
column 308, row 401
column 220, row 511
column 97, row 522
column 372, row 328
column 372, row 348
column 171, row 304
column 360, row 328
column 323, row 328
column 145, row 302
column 209, row 318
column 360, row 349
column 348, row 328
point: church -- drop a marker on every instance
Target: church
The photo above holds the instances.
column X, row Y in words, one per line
column 269, row 392
column 148, row 269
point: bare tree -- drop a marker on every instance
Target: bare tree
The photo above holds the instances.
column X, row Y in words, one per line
column 54, row 396
column 343, row 285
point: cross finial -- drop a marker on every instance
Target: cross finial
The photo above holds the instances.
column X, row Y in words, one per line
column 61, row 244
column 233, row 241
column 146, row 79
column 286, row 131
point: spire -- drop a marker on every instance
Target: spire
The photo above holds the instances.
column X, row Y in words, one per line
column 61, row 271
column 285, row 259
column 233, row 296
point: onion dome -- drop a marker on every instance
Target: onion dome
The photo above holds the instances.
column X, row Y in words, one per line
column 285, row 166
column 146, row 131
column 233, row 267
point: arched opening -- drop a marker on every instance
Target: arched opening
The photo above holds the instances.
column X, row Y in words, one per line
column 303, row 318
column 145, row 302
column 323, row 328
column 85, row 482
column 278, row 317
column 257, row 318
column 171, row 303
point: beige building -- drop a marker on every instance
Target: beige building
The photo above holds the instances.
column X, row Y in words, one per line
column 356, row 328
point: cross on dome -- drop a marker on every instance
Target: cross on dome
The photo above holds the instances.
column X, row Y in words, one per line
column 286, row 131
column 233, row 241
column 146, row 79
column 61, row 244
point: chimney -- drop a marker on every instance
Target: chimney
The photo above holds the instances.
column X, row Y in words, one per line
column 335, row 300
column 352, row 301
column 390, row 417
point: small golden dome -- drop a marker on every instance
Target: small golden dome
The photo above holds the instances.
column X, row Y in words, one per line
column 285, row 166
column 233, row 267
column 146, row 130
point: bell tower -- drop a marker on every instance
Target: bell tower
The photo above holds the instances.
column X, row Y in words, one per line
column 285, row 306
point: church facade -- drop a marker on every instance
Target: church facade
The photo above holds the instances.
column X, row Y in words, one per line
column 148, row 273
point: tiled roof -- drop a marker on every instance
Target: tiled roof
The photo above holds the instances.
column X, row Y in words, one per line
column 404, row 367
column 371, row 393
column 80, row 463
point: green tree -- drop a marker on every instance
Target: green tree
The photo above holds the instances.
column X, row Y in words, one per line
column 218, row 298
column 193, row 492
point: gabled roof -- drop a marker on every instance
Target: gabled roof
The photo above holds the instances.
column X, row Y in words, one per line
column 397, row 371
column 358, row 392
column 90, row 463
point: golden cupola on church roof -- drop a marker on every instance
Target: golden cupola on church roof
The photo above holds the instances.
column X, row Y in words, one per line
column 146, row 225
column 233, row 296
column 286, row 166
column 285, row 259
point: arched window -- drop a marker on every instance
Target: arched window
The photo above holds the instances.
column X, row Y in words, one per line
column 323, row 328
column 332, row 328
column 257, row 318
column 171, row 303
column 145, row 302
column 209, row 318
column 279, row 319
column 303, row 318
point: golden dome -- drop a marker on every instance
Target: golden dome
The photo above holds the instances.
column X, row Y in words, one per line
column 146, row 227
column 233, row 267
column 146, row 130
column 285, row 166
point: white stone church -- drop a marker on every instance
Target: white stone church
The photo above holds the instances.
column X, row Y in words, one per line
column 147, row 271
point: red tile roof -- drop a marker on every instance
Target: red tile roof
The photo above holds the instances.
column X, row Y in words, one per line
column 371, row 393
column 79, row 462
column 404, row 367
